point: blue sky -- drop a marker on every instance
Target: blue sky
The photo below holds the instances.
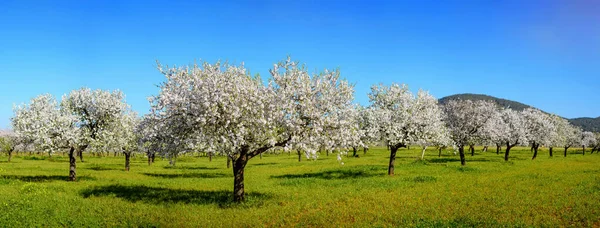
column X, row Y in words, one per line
column 542, row 53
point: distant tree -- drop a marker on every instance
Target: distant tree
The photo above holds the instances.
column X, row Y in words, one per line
column 8, row 143
column 539, row 128
column 566, row 136
column 596, row 146
column 466, row 120
column 587, row 139
column 494, row 130
column 75, row 124
column 515, row 133
column 428, row 122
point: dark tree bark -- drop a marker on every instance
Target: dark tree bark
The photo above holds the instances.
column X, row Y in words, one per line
column 550, row 151
column 209, row 156
column 440, row 152
column 508, row 147
column 485, row 148
column 498, row 148
column 472, row 149
column 127, row 160
column 353, row 151
column 149, row 157
column 238, row 175
column 566, row 148
column 583, row 150
column 10, row 151
column 72, row 165
column 80, row 153
column 535, row 150
column 365, row 149
column 393, row 150
column 299, row 156
column 153, row 156
column 461, row 152
column 261, row 156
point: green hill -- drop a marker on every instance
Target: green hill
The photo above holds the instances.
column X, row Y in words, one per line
column 586, row 123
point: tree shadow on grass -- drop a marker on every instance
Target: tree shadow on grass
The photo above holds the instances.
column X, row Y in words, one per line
column 158, row 195
column 101, row 168
column 190, row 167
column 43, row 178
column 261, row 164
column 188, row 175
column 329, row 175
column 446, row 160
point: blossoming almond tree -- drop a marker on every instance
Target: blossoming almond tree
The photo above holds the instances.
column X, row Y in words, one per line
column 515, row 133
column 465, row 121
column 587, row 139
column 427, row 122
column 566, row 135
column 539, row 127
column 75, row 124
column 123, row 137
column 236, row 114
column 391, row 108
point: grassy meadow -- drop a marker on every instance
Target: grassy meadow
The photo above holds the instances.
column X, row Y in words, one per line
column 281, row 191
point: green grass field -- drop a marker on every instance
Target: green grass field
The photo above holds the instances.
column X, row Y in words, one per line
column 281, row 191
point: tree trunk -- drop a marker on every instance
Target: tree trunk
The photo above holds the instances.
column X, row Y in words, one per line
column 10, row 154
column 115, row 154
column 149, row 158
column 353, row 151
column 472, row 149
column 484, row 149
column 550, row 150
column 423, row 153
column 440, row 152
column 508, row 146
column 583, row 150
column 566, row 148
column 238, row 180
column 461, row 152
column 80, row 153
column 127, row 159
column 393, row 150
column 299, row 156
column 365, row 149
column 72, row 165
column 498, row 148
column 535, row 150
column 260, row 156
column 153, row 156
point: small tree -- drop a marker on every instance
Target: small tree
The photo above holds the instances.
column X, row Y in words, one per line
column 75, row 124
column 539, row 128
column 427, row 120
column 587, row 139
column 515, row 133
column 466, row 120
column 8, row 143
column 567, row 135
column 391, row 107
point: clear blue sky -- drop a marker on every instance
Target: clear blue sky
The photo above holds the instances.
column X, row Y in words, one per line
column 542, row 53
